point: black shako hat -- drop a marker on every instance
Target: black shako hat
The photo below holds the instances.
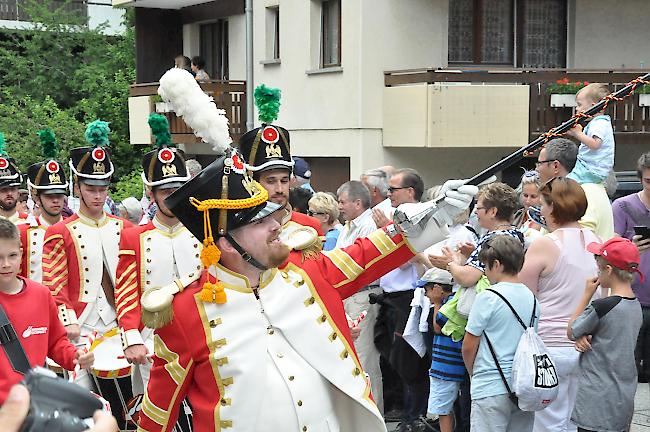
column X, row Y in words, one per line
column 267, row 147
column 93, row 165
column 235, row 198
column 164, row 167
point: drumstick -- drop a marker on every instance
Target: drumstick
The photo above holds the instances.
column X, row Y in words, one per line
column 357, row 321
column 122, row 357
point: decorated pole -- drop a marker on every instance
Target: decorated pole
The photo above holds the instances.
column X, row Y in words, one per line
column 559, row 130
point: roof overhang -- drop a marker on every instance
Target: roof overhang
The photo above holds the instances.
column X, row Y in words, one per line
column 158, row 4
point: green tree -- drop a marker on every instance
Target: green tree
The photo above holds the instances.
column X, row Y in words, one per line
column 61, row 74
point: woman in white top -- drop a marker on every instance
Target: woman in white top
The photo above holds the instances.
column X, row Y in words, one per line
column 556, row 268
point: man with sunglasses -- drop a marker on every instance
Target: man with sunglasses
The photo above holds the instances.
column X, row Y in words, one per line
column 557, row 159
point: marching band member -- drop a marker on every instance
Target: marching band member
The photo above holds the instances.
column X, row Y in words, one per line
column 10, row 179
column 268, row 153
column 259, row 343
column 47, row 184
column 153, row 254
column 80, row 253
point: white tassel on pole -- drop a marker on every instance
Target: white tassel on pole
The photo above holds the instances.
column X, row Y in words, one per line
column 179, row 88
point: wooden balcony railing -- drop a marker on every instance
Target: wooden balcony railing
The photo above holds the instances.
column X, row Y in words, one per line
column 13, row 10
column 228, row 95
column 631, row 121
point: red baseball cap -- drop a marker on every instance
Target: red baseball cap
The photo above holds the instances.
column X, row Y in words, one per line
column 619, row 252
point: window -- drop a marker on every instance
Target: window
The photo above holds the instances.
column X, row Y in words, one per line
column 214, row 49
column 525, row 33
column 273, row 33
column 330, row 33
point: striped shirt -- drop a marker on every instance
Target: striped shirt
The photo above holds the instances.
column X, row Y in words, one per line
column 447, row 358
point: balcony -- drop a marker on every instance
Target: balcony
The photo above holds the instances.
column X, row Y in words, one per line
column 228, row 95
column 506, row 108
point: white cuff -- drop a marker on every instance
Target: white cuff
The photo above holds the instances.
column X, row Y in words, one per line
column 67, row 316
column 130, row 338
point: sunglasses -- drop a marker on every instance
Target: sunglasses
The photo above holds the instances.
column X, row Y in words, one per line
column 313, row 213
column 393, row 189
column 540, row 163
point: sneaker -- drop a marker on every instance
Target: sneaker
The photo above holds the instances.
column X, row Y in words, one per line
column 393, row 416
column 424, row 424
column 404, row 427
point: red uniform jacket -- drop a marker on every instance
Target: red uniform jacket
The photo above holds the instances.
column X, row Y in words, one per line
column 216, row 354
column 150, row 255
column 31, row 239
column 73, row 262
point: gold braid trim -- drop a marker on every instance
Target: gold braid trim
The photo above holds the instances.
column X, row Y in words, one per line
column 210, row 255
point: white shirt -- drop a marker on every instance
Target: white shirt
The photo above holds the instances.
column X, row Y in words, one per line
column 359, row 227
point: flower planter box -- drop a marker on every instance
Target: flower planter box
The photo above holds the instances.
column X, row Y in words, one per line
column 644, row 100
column 163, row 107
column 563, row 100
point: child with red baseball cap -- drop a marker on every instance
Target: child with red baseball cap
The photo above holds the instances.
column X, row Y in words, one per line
column 605, row 332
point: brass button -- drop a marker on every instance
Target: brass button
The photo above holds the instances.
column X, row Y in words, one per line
column 33, row 252
column 86, row 269
column 34, row 243
column 148, row 260
column 196, row 256
column 280, row 355
column 291, row 377
column 82, row 246
column 270, row 331
column 304, row 429
column 87, row 281
column 299, row 403
column 148, row 238
column 323, row 318
column 224, row 402
column 196, row 245
column 148, row 249
column 79, row 236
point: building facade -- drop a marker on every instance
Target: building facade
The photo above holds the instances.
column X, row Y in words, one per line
column 430, row 84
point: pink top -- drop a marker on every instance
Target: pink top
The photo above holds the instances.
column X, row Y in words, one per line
column 560, row 291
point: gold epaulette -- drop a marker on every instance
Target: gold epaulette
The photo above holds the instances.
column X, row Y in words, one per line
column 306, row 240
column 157, row 308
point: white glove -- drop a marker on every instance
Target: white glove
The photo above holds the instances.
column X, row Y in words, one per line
column 416, row 221
column 458, row 197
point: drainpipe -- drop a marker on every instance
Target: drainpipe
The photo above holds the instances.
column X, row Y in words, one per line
column 250, row 108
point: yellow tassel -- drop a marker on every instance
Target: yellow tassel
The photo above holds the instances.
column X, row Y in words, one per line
column 210, row 254
column 213, row 293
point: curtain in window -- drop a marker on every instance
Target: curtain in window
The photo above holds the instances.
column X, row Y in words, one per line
column 498, row 32
column 544, row 34
column 461, row 31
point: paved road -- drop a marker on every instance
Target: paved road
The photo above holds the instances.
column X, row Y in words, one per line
column 641, row 421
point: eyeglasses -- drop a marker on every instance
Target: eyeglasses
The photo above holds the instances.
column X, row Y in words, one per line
column 540, row 163
column 393, row 189
column 313, row 213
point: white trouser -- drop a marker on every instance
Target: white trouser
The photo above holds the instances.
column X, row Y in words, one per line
column 140, row 373
column 557, row 416
column 365, row 343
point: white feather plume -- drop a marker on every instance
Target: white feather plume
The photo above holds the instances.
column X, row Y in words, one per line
column 179, row 88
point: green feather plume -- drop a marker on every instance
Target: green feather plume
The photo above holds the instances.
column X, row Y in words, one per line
column 3, row 150
column 48, row 143
column 160, row 129
column 97, row 133
column 267, row 101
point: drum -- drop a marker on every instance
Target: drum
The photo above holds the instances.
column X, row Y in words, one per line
column 111, row 373
column 109, row 359
column 54, row 367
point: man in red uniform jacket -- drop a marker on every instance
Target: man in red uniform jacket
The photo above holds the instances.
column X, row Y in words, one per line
column 80, row 253
column 48, row 184
column 256, row 347
column 268, row 153
column 153, row 254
